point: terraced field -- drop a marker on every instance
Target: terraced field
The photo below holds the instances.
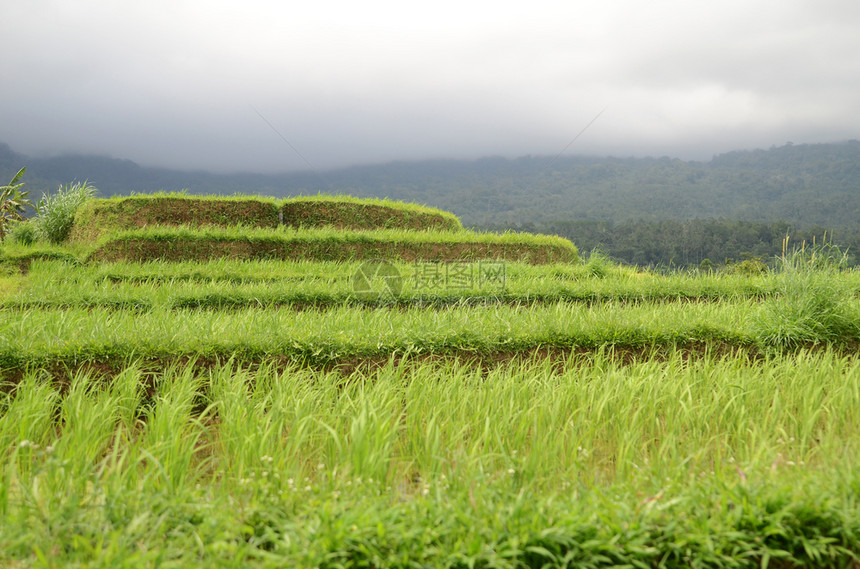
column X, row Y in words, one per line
column 465, row 411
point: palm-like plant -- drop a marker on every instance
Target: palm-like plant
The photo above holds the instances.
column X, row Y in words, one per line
column 12, row 203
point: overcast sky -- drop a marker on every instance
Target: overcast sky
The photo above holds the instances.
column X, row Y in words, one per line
column 207, row 83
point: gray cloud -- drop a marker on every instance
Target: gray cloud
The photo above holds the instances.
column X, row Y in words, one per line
column 176, row 82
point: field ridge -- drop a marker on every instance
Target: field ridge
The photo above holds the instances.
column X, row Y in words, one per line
column 101, row 216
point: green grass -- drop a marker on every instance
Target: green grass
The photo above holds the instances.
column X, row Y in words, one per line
column 721, row 462
column 57, row 211
column 812, row 303
column 256, row 413
column 348, row 212
column 20, row 257
column 320, row 336
column 179, row 244
column 225, row 283
column 99, row 217
column 104, row 216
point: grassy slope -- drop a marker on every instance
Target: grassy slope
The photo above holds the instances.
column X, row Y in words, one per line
column 176, row 244
column 347, row 212
column 176, row 227
column 102, row 216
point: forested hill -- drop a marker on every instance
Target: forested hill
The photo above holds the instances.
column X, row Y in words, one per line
column 804, row 184
column 627, row 205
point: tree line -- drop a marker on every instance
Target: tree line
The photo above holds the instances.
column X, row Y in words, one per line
column 647, row 211
column 689, row 243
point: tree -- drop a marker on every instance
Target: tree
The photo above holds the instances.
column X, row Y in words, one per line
column 12, row 203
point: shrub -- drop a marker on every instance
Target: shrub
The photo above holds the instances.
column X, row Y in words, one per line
column 24, row 233
column 57, row 212
column 810, row 306
column 12, row 203
column 747, row 267
column 598, row 264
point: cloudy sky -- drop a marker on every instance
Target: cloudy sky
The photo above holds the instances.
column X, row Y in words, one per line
column 272, row 85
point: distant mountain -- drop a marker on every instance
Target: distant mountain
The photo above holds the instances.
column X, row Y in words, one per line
column 804, row 185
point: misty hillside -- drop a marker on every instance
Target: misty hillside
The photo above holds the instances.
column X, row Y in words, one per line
column 801, row 184
column 640, row 210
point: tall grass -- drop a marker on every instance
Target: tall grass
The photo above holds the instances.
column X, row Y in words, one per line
column 319, row 336
column 225, row 284
column 57, row 211
column 813, row 304
column 724, row 461
column 136, row 431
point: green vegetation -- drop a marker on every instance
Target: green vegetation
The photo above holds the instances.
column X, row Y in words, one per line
column 232, row 284
column 13, row 203
column 105, row 216
column 803, row 185
column 677, row 244
column 722, row 462
column 249, row 410
column 812, row 304
column 347, row 212
column 329, row 244
column 47, row 336
column 57, row 211
column 24, row 233
column 646, row 211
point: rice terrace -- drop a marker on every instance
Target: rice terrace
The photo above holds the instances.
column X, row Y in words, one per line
column 341, row 382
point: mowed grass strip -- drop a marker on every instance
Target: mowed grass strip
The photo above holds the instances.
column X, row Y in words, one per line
column 98, row 217
column 183, row 244
column 101, row 216
column 347, row 212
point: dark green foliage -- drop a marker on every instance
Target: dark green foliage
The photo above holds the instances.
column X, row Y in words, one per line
column 804, row 184
column 13, row 203
column 686, row 243
column 24, row 233
column 748, row 267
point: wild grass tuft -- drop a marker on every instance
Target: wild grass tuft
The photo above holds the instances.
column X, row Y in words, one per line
column 24, row 233
column 599, row 264
column 812, row 304
column 57, row 211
